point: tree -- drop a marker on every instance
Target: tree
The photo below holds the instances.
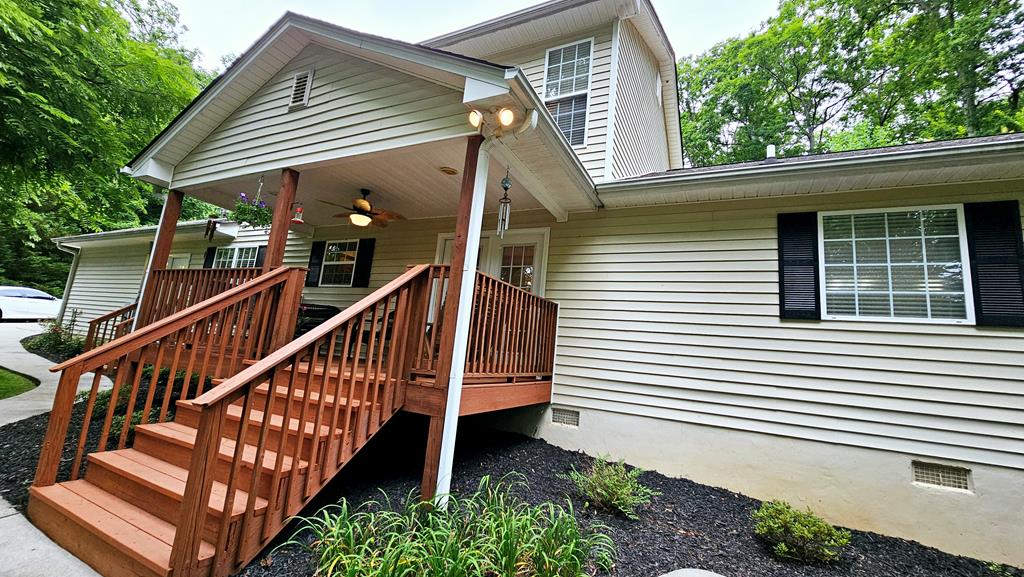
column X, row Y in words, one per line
column 84, row 84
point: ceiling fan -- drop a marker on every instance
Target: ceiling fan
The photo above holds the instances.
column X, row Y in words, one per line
column 362, row 212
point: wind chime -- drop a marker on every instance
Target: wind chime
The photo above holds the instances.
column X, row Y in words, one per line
column 504, row 206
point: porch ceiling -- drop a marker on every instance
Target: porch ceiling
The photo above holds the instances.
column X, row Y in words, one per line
column 406, row 180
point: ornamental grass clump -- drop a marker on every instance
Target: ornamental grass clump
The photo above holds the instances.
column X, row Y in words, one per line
column 610, row 486
column 490, row 533
column 798, row 535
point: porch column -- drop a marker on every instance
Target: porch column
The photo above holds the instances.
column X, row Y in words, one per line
column 161, row 247
column 282, row 217
column 437, row 471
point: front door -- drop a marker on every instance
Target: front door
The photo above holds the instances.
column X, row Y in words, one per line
column 518, row 259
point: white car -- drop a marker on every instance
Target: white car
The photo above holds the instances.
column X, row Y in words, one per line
column 23, row 303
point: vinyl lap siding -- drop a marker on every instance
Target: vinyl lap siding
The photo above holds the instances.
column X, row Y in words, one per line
column 672, row 313
column 639, row 142
column 108, row 278
column 354, row 107
column 531, row 60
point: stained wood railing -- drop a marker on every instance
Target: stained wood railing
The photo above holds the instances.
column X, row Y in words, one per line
column 171, row 290
column 110, row 326
column 355, row 364
column 174, row 358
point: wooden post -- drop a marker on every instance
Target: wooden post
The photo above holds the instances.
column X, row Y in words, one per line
column 455, row 321
column 282, row 217
column 160, row 253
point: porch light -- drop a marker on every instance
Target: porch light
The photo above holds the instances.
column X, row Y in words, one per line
column 475, row 118
column 359, row 219
column 506, row 117
column 297, row 217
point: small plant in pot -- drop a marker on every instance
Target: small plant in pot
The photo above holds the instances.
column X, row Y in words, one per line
column 252, row 211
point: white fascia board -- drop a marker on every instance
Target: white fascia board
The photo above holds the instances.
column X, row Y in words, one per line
column 153, row 171
column 477, row 91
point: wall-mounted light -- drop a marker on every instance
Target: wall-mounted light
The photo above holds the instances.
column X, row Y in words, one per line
column 506, row 117
column 358, row 219
column 476, row 118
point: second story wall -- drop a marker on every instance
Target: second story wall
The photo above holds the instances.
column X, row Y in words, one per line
column 640, row 141
column 533, row 60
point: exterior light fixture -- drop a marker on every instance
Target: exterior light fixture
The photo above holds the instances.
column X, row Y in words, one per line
column 506, row 117
column 358, row 219
column 476, row 118
column 448, row 170
column 297, row 217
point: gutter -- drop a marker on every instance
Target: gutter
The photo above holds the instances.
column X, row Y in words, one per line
column 76, row 253
column 951, row 153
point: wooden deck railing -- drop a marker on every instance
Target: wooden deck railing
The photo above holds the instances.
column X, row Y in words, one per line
column 110, row 326
column 178, row 355
column 354, row 364
column 171, row 290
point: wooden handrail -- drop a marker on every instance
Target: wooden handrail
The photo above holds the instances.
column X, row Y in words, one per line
column 181, row 354
column 359, row 359
column 109, row 351
column 99, row 330
column 171, row 290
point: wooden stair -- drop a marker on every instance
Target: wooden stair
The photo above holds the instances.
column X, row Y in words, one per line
column 121, row 518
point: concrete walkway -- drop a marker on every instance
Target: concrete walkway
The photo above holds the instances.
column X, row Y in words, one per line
column 24, row 550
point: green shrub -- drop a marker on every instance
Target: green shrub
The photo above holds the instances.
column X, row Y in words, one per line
column 58, row 341
column 489, row 533
column 612, row 487
column 799, row 535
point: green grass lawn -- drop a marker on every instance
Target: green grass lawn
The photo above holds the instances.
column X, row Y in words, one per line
column 13, row 384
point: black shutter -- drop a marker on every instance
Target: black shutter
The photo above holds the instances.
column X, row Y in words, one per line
column 316, row 262
column 211, row 253
column 997, row 262
column 798, row 266
column 364, row 261
column 261, row 255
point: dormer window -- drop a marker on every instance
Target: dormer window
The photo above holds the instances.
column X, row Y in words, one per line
column 567, row 87
column 301, row 85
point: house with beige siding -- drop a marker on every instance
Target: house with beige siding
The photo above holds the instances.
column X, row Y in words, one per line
column 843, row 331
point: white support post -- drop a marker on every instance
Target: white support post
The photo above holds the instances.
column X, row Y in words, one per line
column 462, row 321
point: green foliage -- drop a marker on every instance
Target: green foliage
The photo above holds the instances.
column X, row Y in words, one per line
column 835, row 75
column 253, row 212
column 488, row 533
column 84, row 85
column 610, row 486
column 12, row 384
column 58, row 341
column 798, row 535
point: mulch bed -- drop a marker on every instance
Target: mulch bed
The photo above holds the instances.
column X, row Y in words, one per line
column 689, row 525
column 51, row 356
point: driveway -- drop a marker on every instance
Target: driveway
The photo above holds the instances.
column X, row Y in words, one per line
column 26, row 551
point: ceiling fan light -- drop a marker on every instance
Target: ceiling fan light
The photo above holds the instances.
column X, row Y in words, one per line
column 359, row 219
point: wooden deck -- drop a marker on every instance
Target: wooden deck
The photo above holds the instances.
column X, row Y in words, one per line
column 246, row 423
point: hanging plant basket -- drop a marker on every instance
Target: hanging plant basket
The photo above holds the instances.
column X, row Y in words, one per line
column 252, row 212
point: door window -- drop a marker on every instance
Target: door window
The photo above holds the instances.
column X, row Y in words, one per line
column 517, row 265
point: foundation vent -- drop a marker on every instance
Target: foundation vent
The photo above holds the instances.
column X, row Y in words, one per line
column 942, row 475
column 567, row 417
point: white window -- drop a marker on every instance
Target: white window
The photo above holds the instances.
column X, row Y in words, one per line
column 896, row 264
column 179, row 261
column 567, row 87
column 339, row 263
column 517, row 265
column 235, row 257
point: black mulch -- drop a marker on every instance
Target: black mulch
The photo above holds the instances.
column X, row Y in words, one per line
column 53, row 357
column 689, row 525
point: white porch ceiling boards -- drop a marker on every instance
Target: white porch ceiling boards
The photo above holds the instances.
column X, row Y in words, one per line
column 407, row 181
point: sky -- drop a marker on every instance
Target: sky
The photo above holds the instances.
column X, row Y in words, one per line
column 221, row 27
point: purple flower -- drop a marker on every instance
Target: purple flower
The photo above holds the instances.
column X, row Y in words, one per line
column 242, row 195
column 263, row 204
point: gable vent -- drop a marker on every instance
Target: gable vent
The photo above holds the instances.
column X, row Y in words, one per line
column 566, row 417
column 301, row 85
column 942, row 475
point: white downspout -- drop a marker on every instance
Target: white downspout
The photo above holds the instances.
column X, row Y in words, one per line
column 462, row 321
column 76, row 253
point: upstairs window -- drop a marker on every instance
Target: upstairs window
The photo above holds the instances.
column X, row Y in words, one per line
column 567, row 88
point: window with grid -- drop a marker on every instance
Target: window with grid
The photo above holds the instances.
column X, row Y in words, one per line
column 517, row 265
column 566, row 87
column 339, row 263
column 224, row 257
column 245, row 257
column 897, row 264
